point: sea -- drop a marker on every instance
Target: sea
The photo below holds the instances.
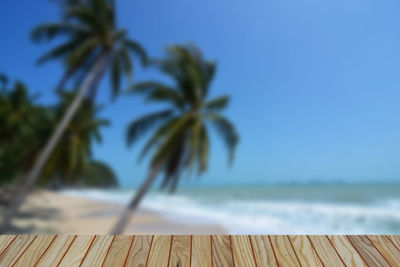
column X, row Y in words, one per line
column 274, row 209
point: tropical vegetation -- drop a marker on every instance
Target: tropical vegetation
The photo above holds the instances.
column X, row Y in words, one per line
column 92, row 45
column 181, row 141
column 51, row 145
column 26, row 126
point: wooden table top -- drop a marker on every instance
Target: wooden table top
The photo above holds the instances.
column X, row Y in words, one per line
column 203, row 251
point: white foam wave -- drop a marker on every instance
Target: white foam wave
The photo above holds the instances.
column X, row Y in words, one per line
column 269, row 217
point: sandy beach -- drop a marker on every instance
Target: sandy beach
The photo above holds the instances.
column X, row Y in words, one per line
column 48, row 212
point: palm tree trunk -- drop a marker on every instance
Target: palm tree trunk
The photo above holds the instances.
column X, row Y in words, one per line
column 92, row 92
column 51, row 144
column 123, row 221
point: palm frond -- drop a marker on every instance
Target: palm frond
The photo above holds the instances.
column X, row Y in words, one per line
column 159, row 134
column 138, row 50
column 115, row 76
column 59, row 51
column 49, row 31
column 158, row 92
column 203, row 149
column 140, row 126
column 174, row 138
column 228, row 133
column 126, row 63
column 209, row 70
column 217, row 104
column 81, row 53
column 193, row 144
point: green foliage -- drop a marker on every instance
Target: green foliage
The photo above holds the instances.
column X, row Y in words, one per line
column 72, row 154
column 26, row 127
column 88, row 31
column 23, row 125
column 98, row 174
column 180, row 141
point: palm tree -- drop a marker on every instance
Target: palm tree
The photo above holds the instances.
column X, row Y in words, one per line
column 181, row 141
column 23, row 125
column 72, row 156
column 91, row 31
column 92, row 44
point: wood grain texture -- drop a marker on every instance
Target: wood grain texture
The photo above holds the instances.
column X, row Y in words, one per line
column 159, row 251
column 56, row 251
column 77, row 251
column 33, row 253
column 221, row 251
column 201, row 251
column 304, row 251
column 346, row 250
column 285, row 255
column 207, row 251
column 98, row 251
column 386, row 248
column 263, row 251
column 325, row 250
column 140, row 249
column 395, row 239
column 12, row 253
column 118, row 251
column 5, row 241
column 180, row 251
column 242, row 251
column 367, row 251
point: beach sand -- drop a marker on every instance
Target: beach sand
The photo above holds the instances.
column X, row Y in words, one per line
column 47, row 212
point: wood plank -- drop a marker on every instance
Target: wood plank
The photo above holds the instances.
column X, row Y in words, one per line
column 285, row 255
column 395, row 240
column 304, row 251
column 26, row 250
column 98, row 251
column 77, row 251
column 243, row 254
column 201, row 251
column 346, row 250
column 119, row 250
column 386, row 248
column 139, row 251
column 263, row 251
column 221, row 250
column 325, row 250
column 55, row 252
column 33, row 253
column 159, row 251
column 367, row 250
column 5, row 241
column 16, row 249
column 180, row 250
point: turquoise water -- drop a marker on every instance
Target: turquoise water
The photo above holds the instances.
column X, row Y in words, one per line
column 278, row 209
column 340, row 193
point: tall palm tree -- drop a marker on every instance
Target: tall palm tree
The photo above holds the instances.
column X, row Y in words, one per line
column 181, row 141
column 91, row 31
column 92, row 41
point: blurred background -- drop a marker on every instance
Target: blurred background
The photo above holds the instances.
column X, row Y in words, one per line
column 240, row 117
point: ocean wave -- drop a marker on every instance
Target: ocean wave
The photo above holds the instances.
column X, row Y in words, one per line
column 268, row 216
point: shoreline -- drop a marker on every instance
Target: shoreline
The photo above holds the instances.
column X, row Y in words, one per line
column 48, row 212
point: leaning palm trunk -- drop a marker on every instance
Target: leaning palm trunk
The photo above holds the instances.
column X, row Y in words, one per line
column 123, row 221
column 51, row 144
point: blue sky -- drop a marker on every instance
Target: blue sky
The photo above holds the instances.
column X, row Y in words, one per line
column 314, row 84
